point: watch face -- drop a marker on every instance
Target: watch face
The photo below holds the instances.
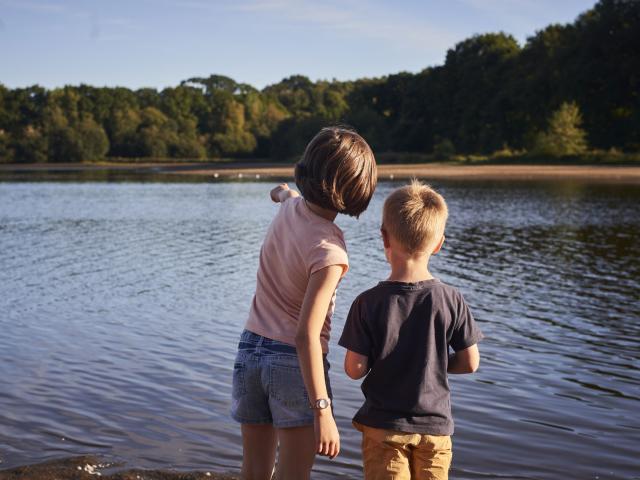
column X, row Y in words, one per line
column 322, row 403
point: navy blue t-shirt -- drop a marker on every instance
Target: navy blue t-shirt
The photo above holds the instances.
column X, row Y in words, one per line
column 405, row 330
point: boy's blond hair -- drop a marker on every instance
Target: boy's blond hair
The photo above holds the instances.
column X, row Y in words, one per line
column 415, row 215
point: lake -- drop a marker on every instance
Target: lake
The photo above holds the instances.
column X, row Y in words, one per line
column 121, row 305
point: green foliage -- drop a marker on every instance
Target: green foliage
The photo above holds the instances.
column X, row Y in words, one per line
column 187, row 143
column 6, row 154
column 154, row 133
column 475, row 72
column 29, row 145
column 444, row 149
column 563, row 135
column 292, row 136
column 122, row 127
column 73, row 135
column 490, row 92
column 234, row 139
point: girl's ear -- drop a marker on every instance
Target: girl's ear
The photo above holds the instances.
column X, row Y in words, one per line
column 439, row 246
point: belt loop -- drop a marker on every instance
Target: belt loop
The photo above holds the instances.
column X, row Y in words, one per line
column 259, row 344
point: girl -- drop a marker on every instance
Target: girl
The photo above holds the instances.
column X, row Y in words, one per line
column 281, row 391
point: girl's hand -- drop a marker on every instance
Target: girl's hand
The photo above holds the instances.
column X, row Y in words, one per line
column 275, row 193
column 282, row 192
column 327, row 436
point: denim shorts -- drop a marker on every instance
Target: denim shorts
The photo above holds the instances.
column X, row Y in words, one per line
column 268, row 385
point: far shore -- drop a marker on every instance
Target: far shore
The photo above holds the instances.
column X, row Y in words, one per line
column 427, row 171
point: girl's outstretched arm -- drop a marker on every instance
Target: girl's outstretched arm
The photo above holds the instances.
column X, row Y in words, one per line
column 321, row 287
column 282, row 192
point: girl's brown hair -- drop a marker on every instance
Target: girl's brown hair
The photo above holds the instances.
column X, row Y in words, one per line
column 338, row 171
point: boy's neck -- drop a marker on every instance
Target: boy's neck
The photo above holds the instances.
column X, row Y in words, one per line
column 409, row 269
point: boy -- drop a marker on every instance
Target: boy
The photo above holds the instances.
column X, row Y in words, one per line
column 398, row 334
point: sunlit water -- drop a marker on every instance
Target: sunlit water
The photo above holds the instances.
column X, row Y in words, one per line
column 121, row 305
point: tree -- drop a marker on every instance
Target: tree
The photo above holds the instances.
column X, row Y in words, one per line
column 295, row 93
column 475, row 72
column 187, row 143
column 234, row 139
column 444, row 149
column 29, row 145
column 154, row 134
column 563, row 135
column 73, row 134
column 122, row 127
column 6, row 153
column 292, row 136
column 94, row 143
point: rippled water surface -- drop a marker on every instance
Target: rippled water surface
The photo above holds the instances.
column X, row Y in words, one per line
column 121, row 305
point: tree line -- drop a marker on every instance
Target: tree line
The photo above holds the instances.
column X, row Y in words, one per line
column 580, row 80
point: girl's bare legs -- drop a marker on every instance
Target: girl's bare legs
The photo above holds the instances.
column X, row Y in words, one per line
column 297, row 453
column 258, row 451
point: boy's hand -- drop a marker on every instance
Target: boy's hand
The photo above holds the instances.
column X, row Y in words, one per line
column 282, row 192
column 327, row 436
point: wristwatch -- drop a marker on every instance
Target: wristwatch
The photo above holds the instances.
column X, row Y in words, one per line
column 321, row 404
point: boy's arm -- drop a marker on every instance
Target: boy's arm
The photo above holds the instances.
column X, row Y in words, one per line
column 282, row 193
column 356, row 339
column 464, row 339
column 464, row 361
column 356, row 365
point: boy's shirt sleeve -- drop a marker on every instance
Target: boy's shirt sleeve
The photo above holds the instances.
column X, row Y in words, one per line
column 356, row 336
column 465, row 331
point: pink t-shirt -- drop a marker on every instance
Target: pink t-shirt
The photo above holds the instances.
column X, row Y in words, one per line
column 297, row 244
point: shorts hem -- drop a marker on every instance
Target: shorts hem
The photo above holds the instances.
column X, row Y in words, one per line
column 240, row 419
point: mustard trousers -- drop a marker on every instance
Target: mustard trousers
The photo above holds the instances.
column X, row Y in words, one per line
column 393, row 455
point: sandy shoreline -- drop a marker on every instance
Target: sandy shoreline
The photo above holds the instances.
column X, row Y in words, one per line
column 436, row 171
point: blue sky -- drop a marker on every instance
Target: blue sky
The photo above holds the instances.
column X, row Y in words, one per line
column 158, row 43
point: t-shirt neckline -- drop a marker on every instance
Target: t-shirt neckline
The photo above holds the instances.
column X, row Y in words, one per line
column 410, row 285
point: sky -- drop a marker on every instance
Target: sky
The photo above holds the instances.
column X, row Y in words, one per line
column 158, row 43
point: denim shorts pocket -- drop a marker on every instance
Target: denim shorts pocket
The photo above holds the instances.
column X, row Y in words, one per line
column 287, row 384
column 239, row 387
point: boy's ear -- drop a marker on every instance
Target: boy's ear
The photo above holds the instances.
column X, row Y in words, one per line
column 438, row 246
column 385, row 238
